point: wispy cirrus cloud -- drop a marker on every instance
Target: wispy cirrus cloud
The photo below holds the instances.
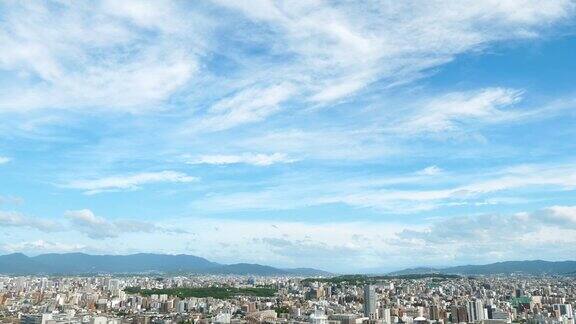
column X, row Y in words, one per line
column 450, row 112
column 128, row 182
column 333, row 51
column 314, row 53
column 257, row 159
column 247, row 106
column 391, row 195
column 94, row 61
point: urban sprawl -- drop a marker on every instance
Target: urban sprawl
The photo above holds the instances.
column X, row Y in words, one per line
column 246, row 299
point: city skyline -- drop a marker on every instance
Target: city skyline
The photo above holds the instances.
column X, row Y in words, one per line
column 341, row 136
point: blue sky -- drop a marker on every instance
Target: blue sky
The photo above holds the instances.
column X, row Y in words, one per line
column 340, row 135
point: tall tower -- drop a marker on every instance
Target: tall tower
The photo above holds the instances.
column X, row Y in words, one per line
column 370, row 302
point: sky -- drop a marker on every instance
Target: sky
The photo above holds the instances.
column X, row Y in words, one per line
column 350, row 136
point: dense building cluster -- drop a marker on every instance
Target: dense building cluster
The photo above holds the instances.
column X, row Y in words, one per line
column 244, row 299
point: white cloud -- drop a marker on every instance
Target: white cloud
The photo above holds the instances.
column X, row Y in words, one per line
column 129, row 182
column 4, row 160
column 127, row 56
column 334, row 143
column 15, row 219
column 97, row 227
column 391, row 195
column 553, row 177
column 333, row 51
column 562, row 215
column 359, row 245
column 136, row 55
column 430, row 171
column 291, row 243
column 491, row 236
column 332, row 245
column 42, row 246
column 448, row 112
column 246, row 158
column 247, row 106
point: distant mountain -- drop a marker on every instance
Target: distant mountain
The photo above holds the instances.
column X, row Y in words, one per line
column 308, row 272
column 18, row 263
column 251, row 269
column 80, row 263
column 532, row 267
column 419, row 270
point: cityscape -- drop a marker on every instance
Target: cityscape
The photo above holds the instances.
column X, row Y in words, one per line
column 288, row 161
column 418, row 298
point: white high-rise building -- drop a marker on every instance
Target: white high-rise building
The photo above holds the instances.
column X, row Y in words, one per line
column 318, row 317
column 43, row 284
column 385, row 315
column 181, row 308
column 113, row 285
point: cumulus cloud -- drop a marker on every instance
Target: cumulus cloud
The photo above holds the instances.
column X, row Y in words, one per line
column 86, row 222
column 491, row 236
column 129, row 182
column 15, row 219
column 246, row 158
column 361, row 246
column 564, row 216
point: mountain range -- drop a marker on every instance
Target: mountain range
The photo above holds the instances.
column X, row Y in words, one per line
column 80, row 263
column 531, row 267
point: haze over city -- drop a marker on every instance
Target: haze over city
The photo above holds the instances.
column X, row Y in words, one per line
column 351, row 137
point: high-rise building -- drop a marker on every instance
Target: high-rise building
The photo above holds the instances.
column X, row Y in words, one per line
column 113, row 284
column 563, row 309
column 181, row 308
column 475, row 311
column 459, row 314
column 385, row 315
column 370, row 302
column 318, row 317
